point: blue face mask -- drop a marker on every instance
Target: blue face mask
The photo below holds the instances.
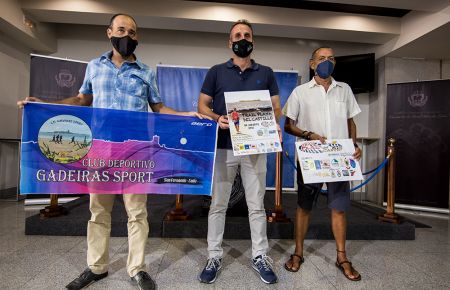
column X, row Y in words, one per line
column 324, row 69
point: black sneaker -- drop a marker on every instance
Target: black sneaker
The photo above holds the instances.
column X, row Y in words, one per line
column 144, row 281
column 212, row 268
column 86, row 278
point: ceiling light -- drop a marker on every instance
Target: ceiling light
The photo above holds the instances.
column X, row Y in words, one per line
column 28, row 23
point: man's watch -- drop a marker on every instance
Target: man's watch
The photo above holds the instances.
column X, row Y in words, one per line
column 356, row 145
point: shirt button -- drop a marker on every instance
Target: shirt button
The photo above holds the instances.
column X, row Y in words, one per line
column 240, row 72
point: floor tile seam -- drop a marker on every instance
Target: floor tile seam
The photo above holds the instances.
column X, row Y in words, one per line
column 21, row 247
column 439, row 283
column 320, row 271
column 162, row 257
column 427, row 274
column 39, row 272
column 58, row 252
column 161, row 261
column 74, row 246
column 373, row 275
column 434, row 252
column 200, row 253
column 23, row 284
column 117, row 252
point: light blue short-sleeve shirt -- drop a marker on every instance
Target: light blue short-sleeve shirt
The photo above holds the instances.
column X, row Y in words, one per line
column 131, row 87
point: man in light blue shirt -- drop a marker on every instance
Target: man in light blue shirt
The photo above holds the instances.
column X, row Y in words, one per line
column 117, row 80
column 132, row 86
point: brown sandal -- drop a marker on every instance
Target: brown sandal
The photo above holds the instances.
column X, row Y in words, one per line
column 292, row 269
column 340, row 267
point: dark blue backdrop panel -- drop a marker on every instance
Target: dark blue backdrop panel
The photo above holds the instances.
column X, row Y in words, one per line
column 180, row 88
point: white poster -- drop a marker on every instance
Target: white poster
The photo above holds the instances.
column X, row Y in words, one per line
column 253, row 127
column 329, row 162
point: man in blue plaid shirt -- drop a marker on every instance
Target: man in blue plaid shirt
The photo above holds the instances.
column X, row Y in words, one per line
column 117, row 80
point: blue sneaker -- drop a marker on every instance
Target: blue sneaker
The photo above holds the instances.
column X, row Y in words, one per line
column 212, row 268
column 263, row 265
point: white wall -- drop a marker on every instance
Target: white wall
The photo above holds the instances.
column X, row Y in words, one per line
column 14, row 85
column 362, row 119
column 196, row 48
column 9, row 168
column 446, row 69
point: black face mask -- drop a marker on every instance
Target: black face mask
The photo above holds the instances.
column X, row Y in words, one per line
column 242, row 48
column 124, row 45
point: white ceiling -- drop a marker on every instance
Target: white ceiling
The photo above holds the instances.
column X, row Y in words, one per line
column 422, row 33
column 419, row 5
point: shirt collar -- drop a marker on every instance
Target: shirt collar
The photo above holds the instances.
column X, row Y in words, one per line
column 107, row 57
column 254, row 65
column 312, row 83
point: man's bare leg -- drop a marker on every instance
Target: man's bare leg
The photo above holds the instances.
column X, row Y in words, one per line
column 301, row 228
column 339, row 227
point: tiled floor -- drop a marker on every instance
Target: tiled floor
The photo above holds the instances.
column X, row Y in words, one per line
column 47, row 262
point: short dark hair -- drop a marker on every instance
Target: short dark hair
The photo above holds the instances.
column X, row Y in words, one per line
column 121, row 14
column 242, row 21
column 317, row 49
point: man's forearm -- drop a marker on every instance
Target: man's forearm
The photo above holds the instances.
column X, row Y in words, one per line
column 204, row 106
column 352, row 129
column 292, row 129
column 168, row 110
column 276, row 107
column 77, row 101
column 208, row 112
column 277, row 113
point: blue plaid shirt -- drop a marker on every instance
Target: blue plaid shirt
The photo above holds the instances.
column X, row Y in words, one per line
column 130, row 87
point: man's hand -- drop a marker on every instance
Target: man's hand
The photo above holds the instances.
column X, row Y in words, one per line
column 357, row 154
column 280, row 133
column 315, row 136
column 198, row 115
column 222, row 121
column 22, row 103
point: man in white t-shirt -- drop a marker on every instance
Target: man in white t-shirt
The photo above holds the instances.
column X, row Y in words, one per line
column 318, row 110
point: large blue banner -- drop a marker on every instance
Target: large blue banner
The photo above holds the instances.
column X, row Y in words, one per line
column 287, row 81
column 71, row 149
column 180, row 88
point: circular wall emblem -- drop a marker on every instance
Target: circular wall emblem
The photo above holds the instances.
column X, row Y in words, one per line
column 65, row 139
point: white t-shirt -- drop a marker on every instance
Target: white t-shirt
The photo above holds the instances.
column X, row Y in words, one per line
column 324, row 113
